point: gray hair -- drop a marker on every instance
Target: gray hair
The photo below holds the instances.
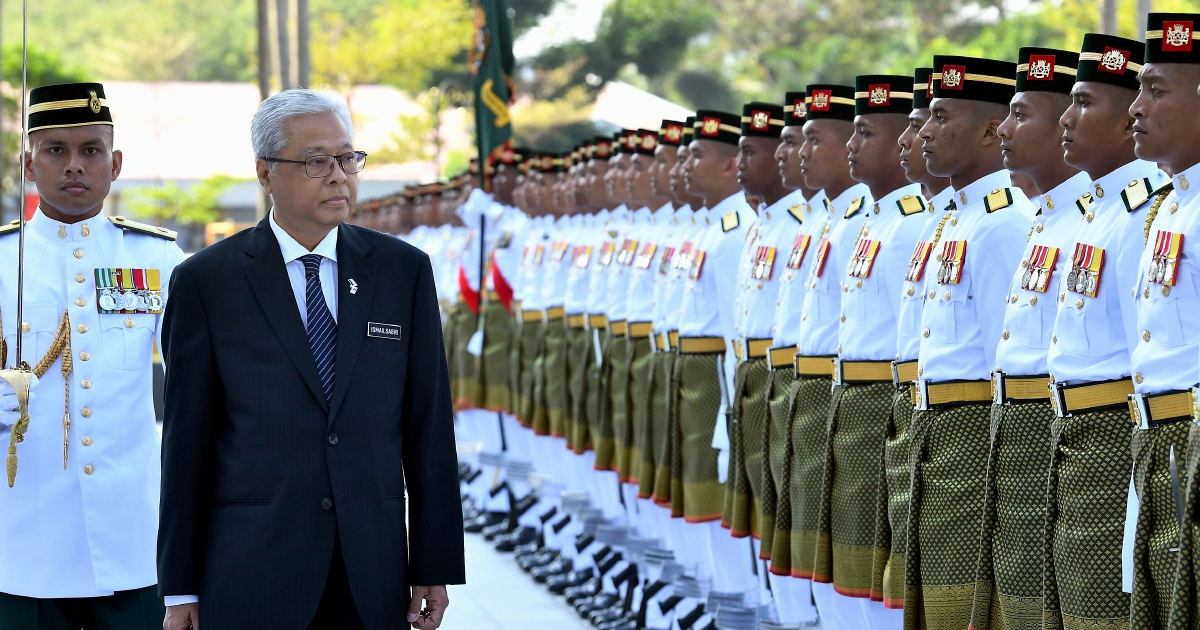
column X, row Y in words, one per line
column 267, row 133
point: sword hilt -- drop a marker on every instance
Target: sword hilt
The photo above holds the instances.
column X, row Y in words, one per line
column 21, row 380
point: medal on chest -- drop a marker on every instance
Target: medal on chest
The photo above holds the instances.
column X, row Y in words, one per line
column 645, row 256
column 627, row 253
column 764, row 263
column 916, row 265
column 583, row 256
column 821, row 254
column 796, row 258
column 665, row 261
column 696, row 266
column 1086, row 264
column 952, row 259
column 1039, row 266
column 127, row 290
column 863, row 259
column 606, row 252
column 539, row 252
column 1168, row 248
column 683, row 261
column 559, row 250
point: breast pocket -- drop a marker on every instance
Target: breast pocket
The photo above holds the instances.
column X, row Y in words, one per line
column 951, row 314
column 1036, row 320
column 1168, row 305
column 126, row 339
column 910, row 314
column 865, row 306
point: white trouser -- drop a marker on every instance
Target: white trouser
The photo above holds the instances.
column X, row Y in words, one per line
column 793, row 599
column 878, row 617
column 731, row 561
column 837, row 612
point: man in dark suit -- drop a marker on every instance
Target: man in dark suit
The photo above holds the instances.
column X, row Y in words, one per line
column 306, row 399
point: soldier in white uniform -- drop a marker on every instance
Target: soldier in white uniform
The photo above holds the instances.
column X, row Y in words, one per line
column 1089, row 529
column 1015, row 504
column 807, row 217
column 961, row 321
column 81, row 515
column 861, row 400
column 1168, row 331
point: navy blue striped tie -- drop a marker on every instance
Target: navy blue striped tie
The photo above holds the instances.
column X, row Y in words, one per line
column 322, row 330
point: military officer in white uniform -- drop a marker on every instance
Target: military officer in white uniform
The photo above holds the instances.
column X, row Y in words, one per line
column 961, row 321
column 1094, row 330
column 80, row 519
column 1168, row 331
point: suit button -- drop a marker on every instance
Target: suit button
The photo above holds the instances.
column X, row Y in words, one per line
column 326, row 504
column 80, row 302
column 87, row 441
column 78, row 253
column 82, row 328
column 89, row 469
column 80, row 277
column 87, row 412
column 85, row 356
column 333, row 438
column 86, row 384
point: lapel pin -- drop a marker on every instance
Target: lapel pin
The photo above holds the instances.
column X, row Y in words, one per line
column 353, row 286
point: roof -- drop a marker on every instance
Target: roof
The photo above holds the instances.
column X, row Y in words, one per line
column 631, row 108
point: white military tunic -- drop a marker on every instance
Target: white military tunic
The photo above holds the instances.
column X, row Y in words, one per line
column 91, row 529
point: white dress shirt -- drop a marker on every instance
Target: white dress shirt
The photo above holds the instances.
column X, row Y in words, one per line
column 292, row 251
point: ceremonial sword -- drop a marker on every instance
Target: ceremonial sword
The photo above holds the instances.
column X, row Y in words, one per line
column 20, row 376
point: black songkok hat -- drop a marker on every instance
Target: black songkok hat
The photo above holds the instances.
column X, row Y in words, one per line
column 762, row 120
column 719, row 126
column 1046, row 70
column 974, row 79
column 689, row 130
column 794, row 110
column 603, row 149
column 1169, row 38
column 922, row 88
column 670, row 133
column 1110, row 59
column 618, row 144
column 830, row 101
column 882, row 94
column 68, row 105
column 630, row 138
column 647, row 142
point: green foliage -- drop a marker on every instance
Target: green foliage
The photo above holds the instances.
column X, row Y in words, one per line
column 194, row 205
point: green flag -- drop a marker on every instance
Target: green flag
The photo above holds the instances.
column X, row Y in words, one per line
column 492, row 66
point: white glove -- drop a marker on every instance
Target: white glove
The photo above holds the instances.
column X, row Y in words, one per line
column 9, row 409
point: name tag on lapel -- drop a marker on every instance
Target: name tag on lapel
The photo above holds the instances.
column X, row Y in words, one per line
column 383, row 331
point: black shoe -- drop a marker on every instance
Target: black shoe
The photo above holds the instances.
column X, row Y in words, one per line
column 587, row 590
column 687, row 621
column 574, row 578
column 486, row 519
column 503, row 527
column 528, row 549
column 609, row 562
column 621, row 624
column 538, row 560
column 561, row 566
column 669, row 604
column 607, row 615
column 582, row 541
column 522, row 536
column 599, row 602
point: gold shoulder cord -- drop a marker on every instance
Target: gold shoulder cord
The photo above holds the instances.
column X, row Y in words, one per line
column 60, row 347
column 937, row 235
column 1153, row 213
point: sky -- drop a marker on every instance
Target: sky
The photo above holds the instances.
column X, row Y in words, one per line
column 570, row 20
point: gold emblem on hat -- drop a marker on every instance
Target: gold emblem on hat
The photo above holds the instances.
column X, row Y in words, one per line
column 711, row 126
column 94, row 102
column 1040, row 69
column 674, row 133
column 820, row 100
column 1113, row 60
column 649, row 141
column 1178, row 35
column 879, row 95
column 951, row 77
column 760, row 121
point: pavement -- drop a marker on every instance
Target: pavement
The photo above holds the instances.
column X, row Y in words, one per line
column 498, row 595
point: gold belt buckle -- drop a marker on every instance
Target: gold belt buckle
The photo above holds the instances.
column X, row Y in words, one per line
column 837, row 371
column 1139, row 410
column 1195, row 405
column 1058, row 400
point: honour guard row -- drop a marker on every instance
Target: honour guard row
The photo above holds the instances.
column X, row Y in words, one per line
column 825, row 360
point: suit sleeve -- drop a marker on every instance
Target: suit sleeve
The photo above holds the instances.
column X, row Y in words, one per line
column 435, row 522
column 194, row 397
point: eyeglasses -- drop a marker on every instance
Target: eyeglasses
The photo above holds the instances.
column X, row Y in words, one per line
column 319, row 166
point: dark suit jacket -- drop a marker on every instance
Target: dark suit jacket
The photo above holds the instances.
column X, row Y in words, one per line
column 252, row 450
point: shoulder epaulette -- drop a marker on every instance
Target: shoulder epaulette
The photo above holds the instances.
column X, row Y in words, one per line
column 1084, row 203
column 150, row 230
column 1144, row 185
column 11, row 227
column 911, row 204
column 951, row 207
column 826, row 202
column 855, row 206
column 998, row 200
column 797, row 213
column 730, row 221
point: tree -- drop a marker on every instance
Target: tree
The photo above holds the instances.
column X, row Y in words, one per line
column 195, row 205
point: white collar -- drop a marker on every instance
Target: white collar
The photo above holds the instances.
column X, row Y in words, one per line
column 293, row 250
